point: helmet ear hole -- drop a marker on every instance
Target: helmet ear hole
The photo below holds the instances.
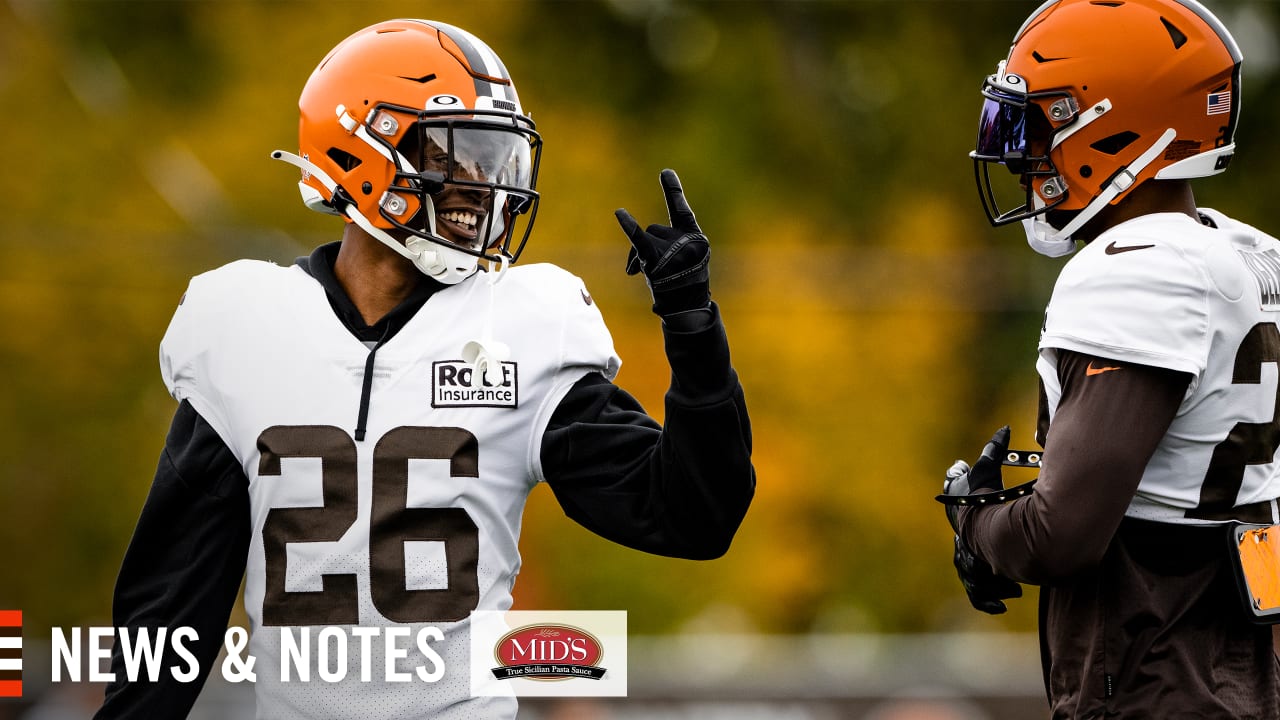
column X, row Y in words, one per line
column 1086, row 171
column 344, row 159
column 1113, row 144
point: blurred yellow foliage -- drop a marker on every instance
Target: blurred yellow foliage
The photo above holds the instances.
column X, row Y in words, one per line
column 880, row 326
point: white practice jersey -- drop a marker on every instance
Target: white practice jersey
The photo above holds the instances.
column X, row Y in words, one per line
column 413, row 527
column 1167, row 291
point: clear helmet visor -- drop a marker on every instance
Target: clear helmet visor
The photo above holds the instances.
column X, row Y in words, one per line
column 480, row 154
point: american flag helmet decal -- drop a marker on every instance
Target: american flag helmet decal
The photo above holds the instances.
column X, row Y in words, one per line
column 1219, row 103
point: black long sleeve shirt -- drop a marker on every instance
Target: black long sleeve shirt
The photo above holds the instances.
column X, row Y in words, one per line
column 680, row 490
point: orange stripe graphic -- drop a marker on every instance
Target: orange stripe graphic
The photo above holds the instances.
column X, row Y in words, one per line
column 11, row 625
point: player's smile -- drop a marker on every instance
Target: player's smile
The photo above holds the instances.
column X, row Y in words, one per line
column 460, row 223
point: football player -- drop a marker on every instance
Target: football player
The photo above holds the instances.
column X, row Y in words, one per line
column 358, row 432
column 1157, row 362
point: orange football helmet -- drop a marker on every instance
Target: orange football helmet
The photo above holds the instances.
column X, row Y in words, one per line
column 1097, row 97
column 412, row 129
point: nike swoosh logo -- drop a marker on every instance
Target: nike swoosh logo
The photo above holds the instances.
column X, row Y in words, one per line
column 1114, row 249
column 1091, row 370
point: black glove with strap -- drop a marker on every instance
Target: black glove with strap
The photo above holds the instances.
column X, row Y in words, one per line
column 986, row 589
column 674, row 258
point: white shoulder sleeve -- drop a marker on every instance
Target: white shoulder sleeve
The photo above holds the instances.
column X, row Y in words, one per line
column 582, row 343
column 1146, row 304
column 185, row 340
column 586, row 342
column 204, row 316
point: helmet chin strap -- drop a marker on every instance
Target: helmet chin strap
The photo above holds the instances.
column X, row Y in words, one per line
column 1048, row 240
column 436, row 261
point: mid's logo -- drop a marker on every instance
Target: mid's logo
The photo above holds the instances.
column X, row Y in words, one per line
column 549, row 652
column 10, row 653
column 455, row 383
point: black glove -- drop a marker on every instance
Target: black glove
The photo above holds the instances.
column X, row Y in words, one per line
column 672, row 257
column 986, row 589
column 984, row 476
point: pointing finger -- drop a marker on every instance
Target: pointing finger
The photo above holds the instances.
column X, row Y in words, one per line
column 677, row 206
column 628, row 223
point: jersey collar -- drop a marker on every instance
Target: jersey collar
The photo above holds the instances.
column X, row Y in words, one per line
column 319, row 265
